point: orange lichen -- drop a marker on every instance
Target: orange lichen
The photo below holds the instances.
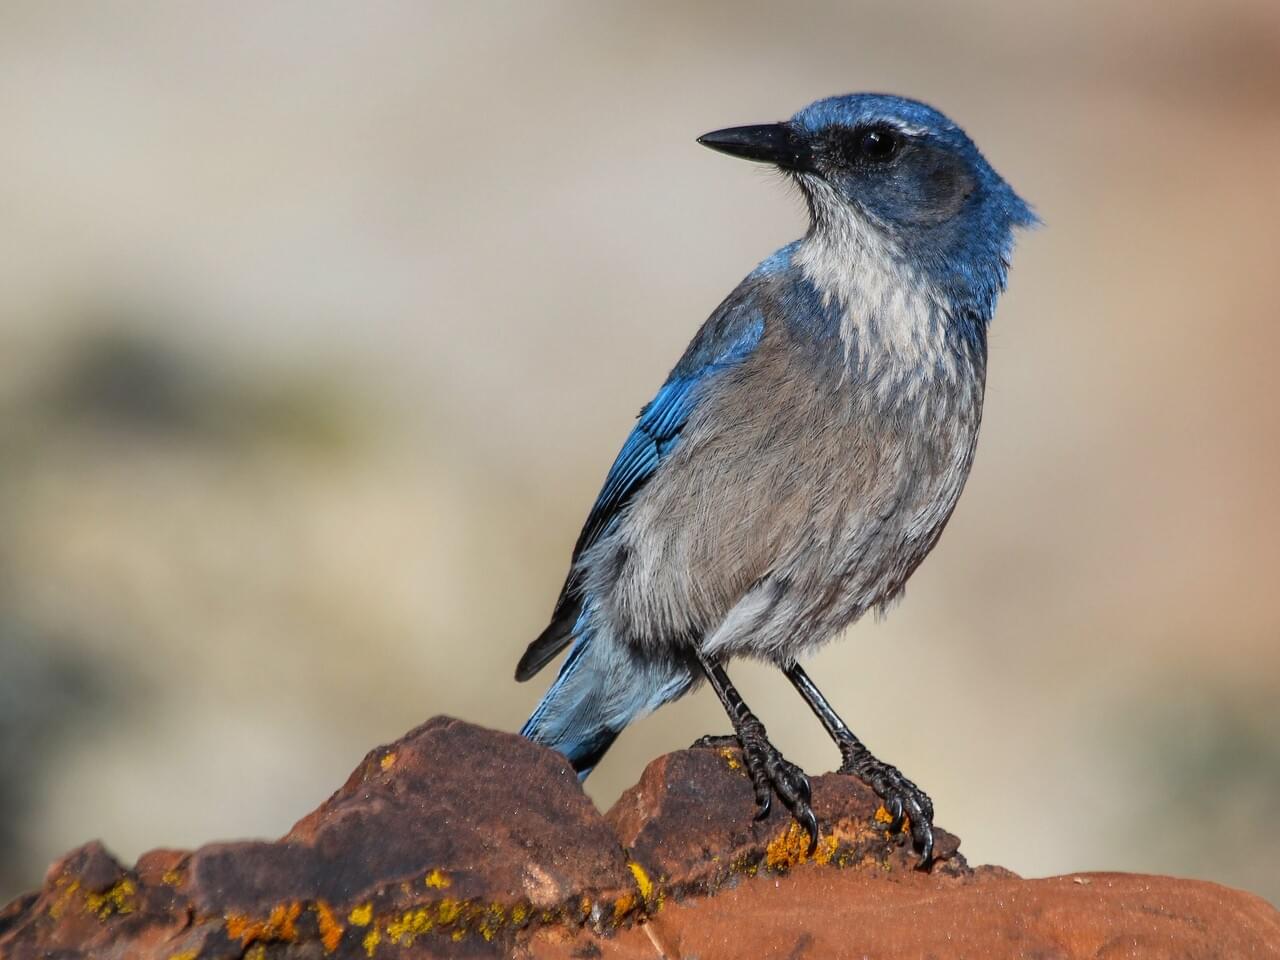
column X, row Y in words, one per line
column 240, row 927
column 623, row 907
column 281, row 924
column 791, row 848
column 388, row 761
column 883, row 815
column 361, row 916
column 330, row 929
column 438, row 880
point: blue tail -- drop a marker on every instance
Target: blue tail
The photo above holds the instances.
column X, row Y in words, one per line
column 602, row 686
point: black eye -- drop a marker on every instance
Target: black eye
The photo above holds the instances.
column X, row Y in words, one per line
column 877, row 144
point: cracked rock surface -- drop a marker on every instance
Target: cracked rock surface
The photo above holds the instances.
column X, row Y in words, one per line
column 458, row 841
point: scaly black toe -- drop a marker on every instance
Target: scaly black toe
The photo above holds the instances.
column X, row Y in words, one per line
column 903, row 800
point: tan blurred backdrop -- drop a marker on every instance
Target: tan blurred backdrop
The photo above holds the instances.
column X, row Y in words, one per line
column 322, row 322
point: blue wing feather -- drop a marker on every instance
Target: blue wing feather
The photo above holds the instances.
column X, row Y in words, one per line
column 657, row 431
column 725, row 340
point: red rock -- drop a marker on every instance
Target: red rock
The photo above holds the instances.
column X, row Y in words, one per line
column 464, row 842
column 818, row 912
column 453, row 830
column 690, row 824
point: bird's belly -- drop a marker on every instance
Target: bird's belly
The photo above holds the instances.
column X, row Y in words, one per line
column 821, row 510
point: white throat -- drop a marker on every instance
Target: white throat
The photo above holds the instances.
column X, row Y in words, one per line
column 891, row 315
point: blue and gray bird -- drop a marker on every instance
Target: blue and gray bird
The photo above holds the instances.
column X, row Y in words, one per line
column 803, row 456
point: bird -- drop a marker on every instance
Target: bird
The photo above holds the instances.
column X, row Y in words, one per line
column 804, row 454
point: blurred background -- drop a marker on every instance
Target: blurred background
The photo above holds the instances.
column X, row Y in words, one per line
column 320, row 325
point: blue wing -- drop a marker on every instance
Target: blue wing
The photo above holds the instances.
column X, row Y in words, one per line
column 724, row 341
column 658, row 429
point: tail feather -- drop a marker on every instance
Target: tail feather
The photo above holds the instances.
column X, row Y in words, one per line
column 602, row 686
column 557, row 636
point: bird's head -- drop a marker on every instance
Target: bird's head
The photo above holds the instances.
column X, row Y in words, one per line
column 897, row 168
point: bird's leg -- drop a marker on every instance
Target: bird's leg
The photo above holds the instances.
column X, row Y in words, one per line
column 771, row 773
column 902, row 798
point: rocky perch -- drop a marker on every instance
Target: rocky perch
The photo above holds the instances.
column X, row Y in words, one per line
column 461, row 841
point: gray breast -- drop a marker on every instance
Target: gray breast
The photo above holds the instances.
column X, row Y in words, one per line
column 804, row 493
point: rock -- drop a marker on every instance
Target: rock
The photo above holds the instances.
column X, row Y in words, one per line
column 463, row 842
column 690, row 824
column 816, row 913
column 454, row 833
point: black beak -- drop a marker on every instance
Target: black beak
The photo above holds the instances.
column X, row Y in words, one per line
column 777, row 143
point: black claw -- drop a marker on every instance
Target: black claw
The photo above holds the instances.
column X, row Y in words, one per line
column 773, row 775
column 805, row 791
column 765, row 806
column 902, row 799
column 925, row 846
column 809, row 820
column 895, row 808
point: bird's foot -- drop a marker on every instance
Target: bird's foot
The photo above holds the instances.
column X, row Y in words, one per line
column 715, row 741
column 771, row 773
column 906, row 803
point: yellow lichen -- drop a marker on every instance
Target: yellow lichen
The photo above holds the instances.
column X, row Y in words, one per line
column 330, row 929
column 361, row 916
column 371, row 941
column 256, row 952
column 64, row 898
column 184, row 955
column 492, row 921
column 388, row 761
column 438, row 880
column 643, row 883
column 118, row 899
column 447, row 911
column 730, row 758
column 410, row 925
column 519, row 914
